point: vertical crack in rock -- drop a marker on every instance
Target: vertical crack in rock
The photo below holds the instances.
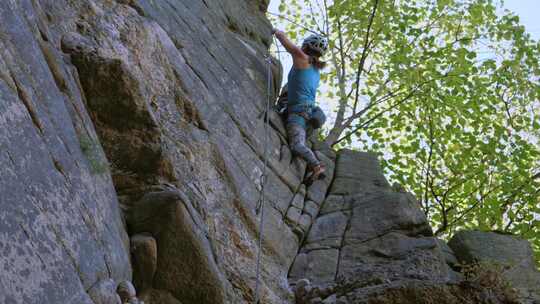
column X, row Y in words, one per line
column 54, row 67
column 350, row 215
column 26, row 100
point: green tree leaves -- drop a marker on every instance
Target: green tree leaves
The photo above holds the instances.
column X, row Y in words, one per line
column 447, row 92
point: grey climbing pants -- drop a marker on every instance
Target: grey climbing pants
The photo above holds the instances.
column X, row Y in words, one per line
column 297, row 143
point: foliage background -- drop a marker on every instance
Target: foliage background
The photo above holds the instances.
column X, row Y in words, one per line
column 447, row 95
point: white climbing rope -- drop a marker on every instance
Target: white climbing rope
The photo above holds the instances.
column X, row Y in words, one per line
column 260, row 208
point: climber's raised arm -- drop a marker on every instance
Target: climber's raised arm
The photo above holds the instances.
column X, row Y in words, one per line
column 299, row 57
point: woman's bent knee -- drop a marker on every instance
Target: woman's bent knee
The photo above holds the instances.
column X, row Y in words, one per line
column 297, row 149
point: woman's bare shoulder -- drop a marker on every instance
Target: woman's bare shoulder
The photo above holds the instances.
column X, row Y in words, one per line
column 301, row 62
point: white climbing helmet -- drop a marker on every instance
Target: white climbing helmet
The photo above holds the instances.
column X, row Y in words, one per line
column 317, row 43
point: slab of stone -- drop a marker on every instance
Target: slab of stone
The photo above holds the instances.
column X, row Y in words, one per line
column 311, row 208
column 298, row 199
column 293, row 215
column 385, row 212
column 356, row 168
column 324, row 148
column 395, row 255
column 328, row 230
column 334, row 203
column 280, row 238
column 144, row 260
column 140, row 94
column 319, row 266
column 448, row 253
column 471, row 246
column 185, row 256
column 305, row 222
column 492, row 248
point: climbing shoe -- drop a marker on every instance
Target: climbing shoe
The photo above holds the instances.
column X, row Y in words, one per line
column 317, row 172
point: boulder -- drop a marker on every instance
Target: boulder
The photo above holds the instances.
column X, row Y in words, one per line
column 185, row 261
column 144, row 260
column 127, row 292
column 449, row 255
column 479, row 246
column 355, row 170
column 319, row 265
column 492, row 249
column 104, row 292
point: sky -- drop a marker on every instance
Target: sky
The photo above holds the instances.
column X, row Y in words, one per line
column 527, row 10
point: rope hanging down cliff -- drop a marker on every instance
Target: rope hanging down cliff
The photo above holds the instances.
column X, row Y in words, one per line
column 260, row 208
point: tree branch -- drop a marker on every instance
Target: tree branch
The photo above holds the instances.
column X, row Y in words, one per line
column 350, row 120
column 341, row 53
column 427, row 181
column 364, row 53
column 336, row 130
column 375, row 117
column 312, row 16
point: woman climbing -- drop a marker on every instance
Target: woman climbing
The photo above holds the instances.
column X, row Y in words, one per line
column 303, row 81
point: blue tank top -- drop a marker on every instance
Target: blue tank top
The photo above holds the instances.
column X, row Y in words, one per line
column 302, row 86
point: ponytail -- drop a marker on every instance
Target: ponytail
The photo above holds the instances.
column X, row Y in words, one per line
column 315, row 61
column 314, row 58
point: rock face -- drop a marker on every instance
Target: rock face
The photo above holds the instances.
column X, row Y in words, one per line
column 156, row 107
column 513, row 255
column 132, row 150
column 61, row 233
column 371, row 244
column 366, row 235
